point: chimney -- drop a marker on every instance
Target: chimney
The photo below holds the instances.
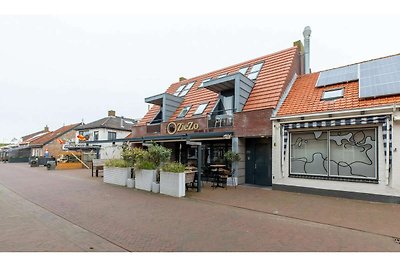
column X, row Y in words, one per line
column 111, row 113
column 307, row 34
column 46, row 128
column 182, row 79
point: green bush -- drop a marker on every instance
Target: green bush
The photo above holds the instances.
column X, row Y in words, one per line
column 117, row 163
column 231, row 156
column 145, row 165
column 158, row 154
column 134, row 155
column 173, row 167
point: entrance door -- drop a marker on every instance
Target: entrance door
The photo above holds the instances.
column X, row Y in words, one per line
column 259, row 161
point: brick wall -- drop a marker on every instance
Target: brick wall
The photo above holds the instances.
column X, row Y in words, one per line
column 253, row 123
column 54, row 147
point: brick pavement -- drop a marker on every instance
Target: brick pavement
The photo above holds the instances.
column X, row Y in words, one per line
column 141, row 221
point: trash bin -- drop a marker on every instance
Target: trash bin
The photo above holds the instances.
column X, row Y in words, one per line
column 34, row 162
column 51, row 165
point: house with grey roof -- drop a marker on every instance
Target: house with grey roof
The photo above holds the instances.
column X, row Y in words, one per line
column 106, row 132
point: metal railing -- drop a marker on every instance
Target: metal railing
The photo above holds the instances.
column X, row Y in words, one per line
column 220, row 118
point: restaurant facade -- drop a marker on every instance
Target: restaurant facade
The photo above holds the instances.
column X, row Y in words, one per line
column 227, row 109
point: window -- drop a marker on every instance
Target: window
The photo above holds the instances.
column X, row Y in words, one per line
column 96, row 135
column 222, row 75
column 179, row 89
column 200, row 109
column 244, row 70
column 255, row 70
column 202, row 83
column 186, row 89
column 332, row 94
column 112, row 135
column 184, row 111
column 335, row 153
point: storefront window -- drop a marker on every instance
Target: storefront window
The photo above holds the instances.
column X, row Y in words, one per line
column 350, row 153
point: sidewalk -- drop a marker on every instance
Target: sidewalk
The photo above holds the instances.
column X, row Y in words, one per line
column 372, row 217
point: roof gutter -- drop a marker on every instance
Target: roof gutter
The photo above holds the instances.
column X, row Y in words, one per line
column 389, row 108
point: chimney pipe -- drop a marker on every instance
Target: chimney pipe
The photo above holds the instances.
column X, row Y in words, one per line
column 307, row 34
column 111, row 113
column 46, row 128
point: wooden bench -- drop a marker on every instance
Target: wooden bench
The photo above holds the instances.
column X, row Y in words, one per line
column 97, row 165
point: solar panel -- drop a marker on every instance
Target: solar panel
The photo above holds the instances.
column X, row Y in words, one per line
column 339, row 75
column 380, row 77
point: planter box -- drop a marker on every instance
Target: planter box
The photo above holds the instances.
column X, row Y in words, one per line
column 155, row 187
column 144, row 179
column 117, row 176
column 130, row 183
column 232, row 181
column 172, row 184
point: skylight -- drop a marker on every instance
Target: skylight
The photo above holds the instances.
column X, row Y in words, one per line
column 244, row 70
column 186, row 89
column 179, row 89
column 333, row 94
column 202, row 83
column 200, row 109
column 255, row 70
column 184, row 111
column 222, row 75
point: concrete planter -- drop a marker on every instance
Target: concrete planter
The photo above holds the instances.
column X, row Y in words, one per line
column 117, row 176
column 155, row 187
column 172, row 184
column 232, row 181
column 144, row 179
column 130, row 183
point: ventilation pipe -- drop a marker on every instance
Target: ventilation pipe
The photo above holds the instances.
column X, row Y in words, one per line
column 307, row 34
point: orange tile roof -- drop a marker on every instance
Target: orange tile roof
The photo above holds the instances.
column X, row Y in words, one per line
column 266, row 92
column 305, row 98
column 50, row 136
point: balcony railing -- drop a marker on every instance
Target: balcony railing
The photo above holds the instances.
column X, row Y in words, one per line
column 153, row 128
column 220, row 118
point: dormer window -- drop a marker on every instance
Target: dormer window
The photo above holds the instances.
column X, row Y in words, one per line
column 202, row 83
column 255, row 70
column 184, row 111
column 332, row 94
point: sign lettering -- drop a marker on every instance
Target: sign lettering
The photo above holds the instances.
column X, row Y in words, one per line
column 174, row 127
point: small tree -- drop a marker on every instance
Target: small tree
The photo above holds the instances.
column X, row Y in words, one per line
column 232, row 157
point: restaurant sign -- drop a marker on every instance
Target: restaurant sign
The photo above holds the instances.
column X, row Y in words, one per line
column 174, row 127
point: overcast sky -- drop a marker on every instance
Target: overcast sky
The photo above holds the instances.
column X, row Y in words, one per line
column 60, row 69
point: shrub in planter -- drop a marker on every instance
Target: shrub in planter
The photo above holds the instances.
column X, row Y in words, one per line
column 232, row 157
column 117, row 171
column 172, row 179
column 145, row 174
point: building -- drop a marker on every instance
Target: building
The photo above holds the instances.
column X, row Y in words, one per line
column 106, row 133
column 226, row 109
column 52, row 143
column 337, row 132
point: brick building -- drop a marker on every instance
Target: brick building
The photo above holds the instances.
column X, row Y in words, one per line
column 226, row 109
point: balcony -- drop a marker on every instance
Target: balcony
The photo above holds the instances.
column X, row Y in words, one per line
column 220, row 119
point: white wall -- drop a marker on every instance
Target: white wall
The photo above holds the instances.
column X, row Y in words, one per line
column 386, row 186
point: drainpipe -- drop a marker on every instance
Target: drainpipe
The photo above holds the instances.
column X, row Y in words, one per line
column 307, row 34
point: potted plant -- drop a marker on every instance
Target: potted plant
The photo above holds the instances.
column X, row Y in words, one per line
column 117, row 171
column 132, row 155
column 232, row 158
column 172, row 179
column 145, row 174
column 158, row 155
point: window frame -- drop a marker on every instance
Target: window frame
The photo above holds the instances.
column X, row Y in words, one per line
column 180, row 113
column 255, row 72
column 336, row 177
column 95, row 133
column 341, row 89
column 197, row 114
column 111, row 132
column 186, row 89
